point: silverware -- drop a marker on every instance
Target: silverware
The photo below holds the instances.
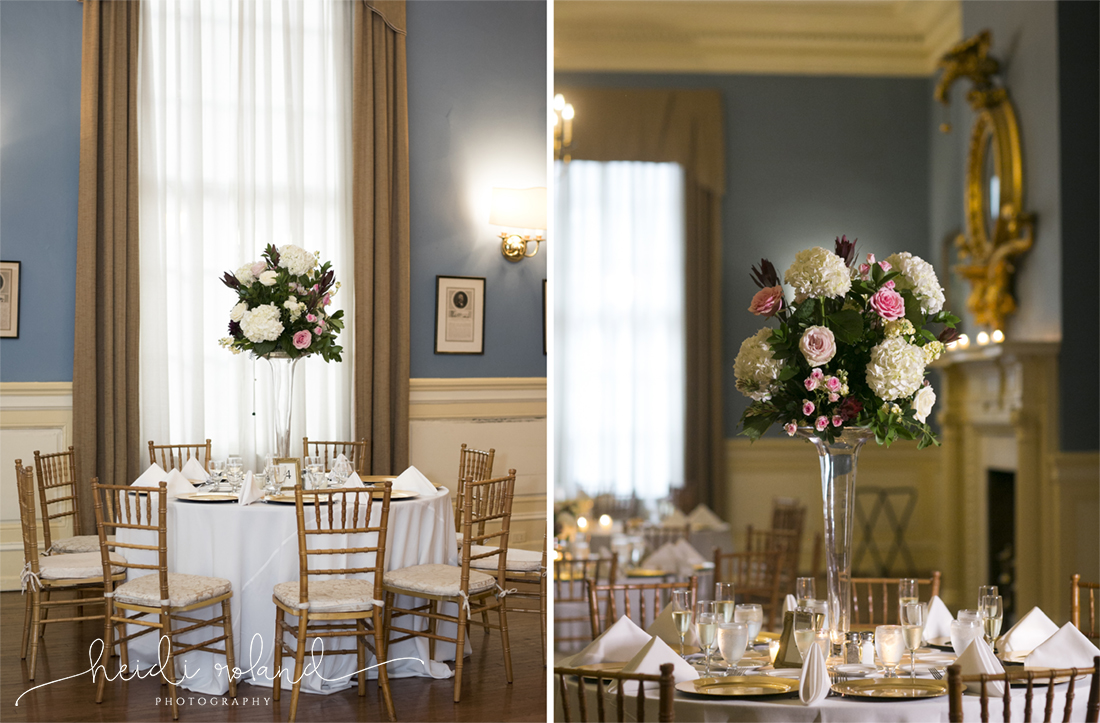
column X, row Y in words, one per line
column 937, row 673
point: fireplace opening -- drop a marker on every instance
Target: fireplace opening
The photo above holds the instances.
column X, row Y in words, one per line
column 1002, row 539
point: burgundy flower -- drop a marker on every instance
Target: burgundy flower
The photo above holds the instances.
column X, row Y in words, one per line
column 846, row 250
column 231, row 281
column 235, row 330
column 948, row 335
column 764, row 276
column 849, row 408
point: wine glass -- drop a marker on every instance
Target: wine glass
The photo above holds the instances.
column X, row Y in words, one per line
column 753, row 615
column 217, row 473
column 315, row 470
column 681, row 614
column 912, row 626
column 907, row 593
column 723, row 601
column 804, row 633
column 890, row 644
column 733, row 638
column 706, row 627
column 233, row 466
column 992, row 611
column 820, row 610
column 804, row 591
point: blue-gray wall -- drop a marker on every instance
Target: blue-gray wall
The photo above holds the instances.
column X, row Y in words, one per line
column 477, row 119
column 808, row 159
column 39, row 162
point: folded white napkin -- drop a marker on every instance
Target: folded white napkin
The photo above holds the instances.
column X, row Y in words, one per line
column 813, row 686
column 675, row 519
column 938, row 622
column 679, row 557
column 1028, row 632
column 250, row 490
column 411, row 480
column 649, row 660
column 178, row 484
column 353, row 481
column 1067, row 648
column 151, row 477
column 789, row 604
column 979, row 658
column 194, row 471
column 618, row 644
column 702, row 518
column 663, row 627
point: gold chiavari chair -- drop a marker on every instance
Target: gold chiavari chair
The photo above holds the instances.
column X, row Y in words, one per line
column 174, row 456
column 317, row 604
column 956, row 684
column 57, row 490
column 755, row 577
column 358, row 453
column 527, row 570
column 666, row 683
column 788, row 514
column 785, row 542
column 164, row 596
column 618, row 508
column 867, row 612
column 655, row 536
column 1092, row 590
column 652, row 598
column 571, row 588
column 484, row 501
column 474, row 464
column 78, row 572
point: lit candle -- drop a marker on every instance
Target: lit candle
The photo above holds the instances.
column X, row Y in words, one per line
column 567, row 125
column 983, row 338
column 582, row 523
column 605, row 523
column 964, row 341
column 998, row 336
column 773, row 649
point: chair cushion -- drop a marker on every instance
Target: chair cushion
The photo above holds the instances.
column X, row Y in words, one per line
column 518, row 560
column 76, row 566
column 83, row 543
column 330, row 596
column 183, row 590
column 436, row 579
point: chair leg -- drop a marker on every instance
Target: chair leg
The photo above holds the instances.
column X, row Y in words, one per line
column 299, row 662
column 502, row 611
column 460, row 648
column 386, row 617
column 37, row 623
column 230, row 658
column 277, row 681
column 380, row 635
column 542, row 615
column 485, row 621
column 123, row 647
column 433, row 608
column 26, row 627
column 44, row 613
column 169, row 672
column 361, row 655
column 108, row 646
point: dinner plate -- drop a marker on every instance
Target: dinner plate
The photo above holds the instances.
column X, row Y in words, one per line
column 738, row 687
column 937, row 657
column 795, row 673
column 892, row 688
column 208, row 497
column 855, row 670
column 940, row 643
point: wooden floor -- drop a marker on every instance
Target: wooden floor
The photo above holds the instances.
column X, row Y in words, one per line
column 486, row 696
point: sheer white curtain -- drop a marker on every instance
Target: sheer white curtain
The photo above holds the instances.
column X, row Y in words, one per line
column 245, row 136
column 619, row 328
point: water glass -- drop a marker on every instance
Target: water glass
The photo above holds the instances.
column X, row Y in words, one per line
column 681, row 614
column 733, row 638
column 234, row 467
column 723, row 601
column 706, row 627
column 964, row 630
column 217, row 472
column 890, row 644
column 753, row 615
column 804, row 590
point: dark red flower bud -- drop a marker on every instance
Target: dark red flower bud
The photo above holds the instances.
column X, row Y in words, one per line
column 846, row 250
column 948, row 335
column 765, row 276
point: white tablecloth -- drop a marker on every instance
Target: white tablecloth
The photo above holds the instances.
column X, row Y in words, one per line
column 256, row 547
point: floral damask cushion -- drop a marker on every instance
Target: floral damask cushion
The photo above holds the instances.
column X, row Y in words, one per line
column 183, row 590
column 330, row 596
column 76, row 566
column 518, row 560
column 436, row 579
column 83, row 543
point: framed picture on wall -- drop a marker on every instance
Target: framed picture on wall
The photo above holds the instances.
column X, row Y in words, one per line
column 459, row 314
column 9, row 299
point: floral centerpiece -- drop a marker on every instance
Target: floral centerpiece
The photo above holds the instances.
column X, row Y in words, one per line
column 282, row 303
column 850, row 351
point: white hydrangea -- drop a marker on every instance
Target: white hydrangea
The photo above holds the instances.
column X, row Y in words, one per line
column 918, row 275
column 238, row 311
column 296, row 259
column 244, row 275
column 755, row 368
column 818, row 272
column 295, row 308
column 896, row 369
column 264, row 323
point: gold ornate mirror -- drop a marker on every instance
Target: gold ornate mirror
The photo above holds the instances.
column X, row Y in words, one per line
column 997, row 229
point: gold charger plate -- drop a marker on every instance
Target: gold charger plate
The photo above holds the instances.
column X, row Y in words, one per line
column 739, row 686
column 208, row 497
column 765, row 636
column 646, row 573
column 892, row 688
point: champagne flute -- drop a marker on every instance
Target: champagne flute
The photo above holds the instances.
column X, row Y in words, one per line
column 992, row 614
column 753, row 615
column 733, row 638
column 804, row 633
column 706, row 627
column 804, row 591
column 681, row 614
column 723, row 601
column 890, row 644
column 912, row 626
column 985, row 591
column 907, row 593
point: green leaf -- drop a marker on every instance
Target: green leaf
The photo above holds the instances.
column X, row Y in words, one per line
column 847, row 326
column 804, row 312
column 876, row 275
column 912, row 310
column 788, row 372
column 264, row 348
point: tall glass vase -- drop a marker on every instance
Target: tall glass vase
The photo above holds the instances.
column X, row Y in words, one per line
column 282, row 398
column 838, row 489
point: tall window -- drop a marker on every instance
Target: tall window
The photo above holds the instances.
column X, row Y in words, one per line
column 619, row 328
column 245, row 132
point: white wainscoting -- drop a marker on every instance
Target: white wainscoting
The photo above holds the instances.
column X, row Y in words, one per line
column 33, row 416
column 506, row 414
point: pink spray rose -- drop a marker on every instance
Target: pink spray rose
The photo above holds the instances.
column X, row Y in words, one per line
column 258, row 268
column 319, row 330
column 302, row 339
column 837, row 421
column 817, row 345
column 326, row 301
column 817, row 374
column 864, row 270
column 832, row 384
column 821, row 423
column 311, row 318
column 870, row 258
column 885, row 265
column 888, row 285
column 834, row 397
column 767, row 301
column 811, row 384
column 790, row 428
column 807, row 407
column 888, row 304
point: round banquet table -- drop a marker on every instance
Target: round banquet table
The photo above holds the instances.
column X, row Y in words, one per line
column 255, row 547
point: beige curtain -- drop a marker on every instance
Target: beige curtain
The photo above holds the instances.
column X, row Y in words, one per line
column 105, row 354
column 380, row 189
column 685, row 127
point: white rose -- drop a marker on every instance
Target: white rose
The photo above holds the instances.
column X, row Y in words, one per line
column 264, row 323
column 237, row 312
column 818, row 345
column 922, row 403
column 896, row 369
column 296, row 259
column 755, row 368
column 267, row 278
column 244, row 275
column 818, row 272
column 919, row 276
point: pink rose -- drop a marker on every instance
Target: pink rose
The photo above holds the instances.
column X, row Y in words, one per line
column 811, row 384
column 327, row 300
column 837, row 421
column 258, row 268
column 319, row 330
column 807, row 407
column 311, row 318
column 864, row 270
column 870, row 258
column 821, row 423
column 817, row 374
column 885, row 265
column 888, row 285
column 888, row 304
column 767, row 301
column 302, row 339
column 832, row 384
column 817, row 345
column 834, row 397
column 790, row 428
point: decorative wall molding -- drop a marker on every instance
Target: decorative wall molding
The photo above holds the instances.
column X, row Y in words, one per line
column 477, row 397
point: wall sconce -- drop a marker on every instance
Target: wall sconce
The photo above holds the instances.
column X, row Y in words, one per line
column 563, row 128
column 523, row 208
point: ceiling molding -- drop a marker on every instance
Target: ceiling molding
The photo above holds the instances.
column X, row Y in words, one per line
column 791, row 37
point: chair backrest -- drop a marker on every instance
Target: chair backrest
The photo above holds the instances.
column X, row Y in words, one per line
column 1092, row 590
column 358, row 453
column 875, row 599
column 57, row 491
column 484, row 502
column 618, row 508
column 570, row 588
column 665, row 682
column 788, row 514
column 24, row 478
column 785, row 542
column 956, row 684
column 475, row 464
column 174, row 456
column 655, row 535
column 755, row 576
column 134, row 508
column 652, row 598
column 343, row 511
